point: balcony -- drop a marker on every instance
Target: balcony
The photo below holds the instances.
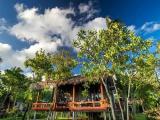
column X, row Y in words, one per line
column 89, row 105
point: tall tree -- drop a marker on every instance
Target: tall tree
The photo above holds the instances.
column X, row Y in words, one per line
column 111, row 51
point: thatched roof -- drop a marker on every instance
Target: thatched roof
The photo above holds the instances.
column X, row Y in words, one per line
column 73, row 80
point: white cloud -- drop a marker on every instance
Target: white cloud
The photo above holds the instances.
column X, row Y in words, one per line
column 97, row 24
column 47, row 46
column 146, row 28
column 19, row 7
column 132, row 28
column 5, row 47
column 149, row 27
column 6, row 55
column 47, row 30
column 83, row 8
column 87, row 9
column 37, row 27
column 3, row 26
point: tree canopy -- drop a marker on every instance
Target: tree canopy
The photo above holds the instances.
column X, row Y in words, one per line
column 118, row 51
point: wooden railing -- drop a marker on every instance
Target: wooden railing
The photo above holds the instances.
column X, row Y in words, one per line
column 42, row 106
column 72, row 106
column 89, row 105
column 49, row 106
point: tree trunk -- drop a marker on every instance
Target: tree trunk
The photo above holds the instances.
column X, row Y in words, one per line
column 7, row 95
column 127, row 100
column 104, row 115
column 110, row 99
column 54, row 101
column 119, row 103
column 8, row 107
column 25, row 112
column 34, row 118
column 15, row 99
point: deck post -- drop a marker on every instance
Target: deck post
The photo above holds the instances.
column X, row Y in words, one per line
column 73, row 93
column 73, row 115
column 73, row 100
column 104, row 115
column 34, row 118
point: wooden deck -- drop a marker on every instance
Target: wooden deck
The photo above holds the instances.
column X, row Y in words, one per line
column 72, row 106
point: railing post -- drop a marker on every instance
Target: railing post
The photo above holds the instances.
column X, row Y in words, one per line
column 73, row 100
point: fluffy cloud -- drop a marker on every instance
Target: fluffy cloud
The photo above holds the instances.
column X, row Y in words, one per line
column 146, row 28
column 97, row 24
column 37, row 27
column 49, row 30
column 87, row 9
column 150, row 27
column 8, row 56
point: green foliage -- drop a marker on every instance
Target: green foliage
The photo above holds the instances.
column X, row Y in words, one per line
column 47, row 95
column 15, row 80
column 85, row 92
column 112, row 50
column 40, row 64
column 63, row 64
column 56, row 66
column 15, row 83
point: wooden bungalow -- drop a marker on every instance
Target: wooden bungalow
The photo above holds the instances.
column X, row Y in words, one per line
column 69, row 96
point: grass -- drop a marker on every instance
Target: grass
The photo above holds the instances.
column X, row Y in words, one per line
column 140, row 116
column 11, row 118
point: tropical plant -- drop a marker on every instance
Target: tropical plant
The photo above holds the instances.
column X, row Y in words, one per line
column 16, row 84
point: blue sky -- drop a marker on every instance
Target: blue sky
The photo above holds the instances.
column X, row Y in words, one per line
column 28, row 25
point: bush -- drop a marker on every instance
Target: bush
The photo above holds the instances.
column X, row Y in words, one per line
column 153, row 114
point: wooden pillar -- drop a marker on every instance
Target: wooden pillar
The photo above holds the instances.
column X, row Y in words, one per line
column 34, row 118
column 73, row 115
column 102, row 92
column 73, row 99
